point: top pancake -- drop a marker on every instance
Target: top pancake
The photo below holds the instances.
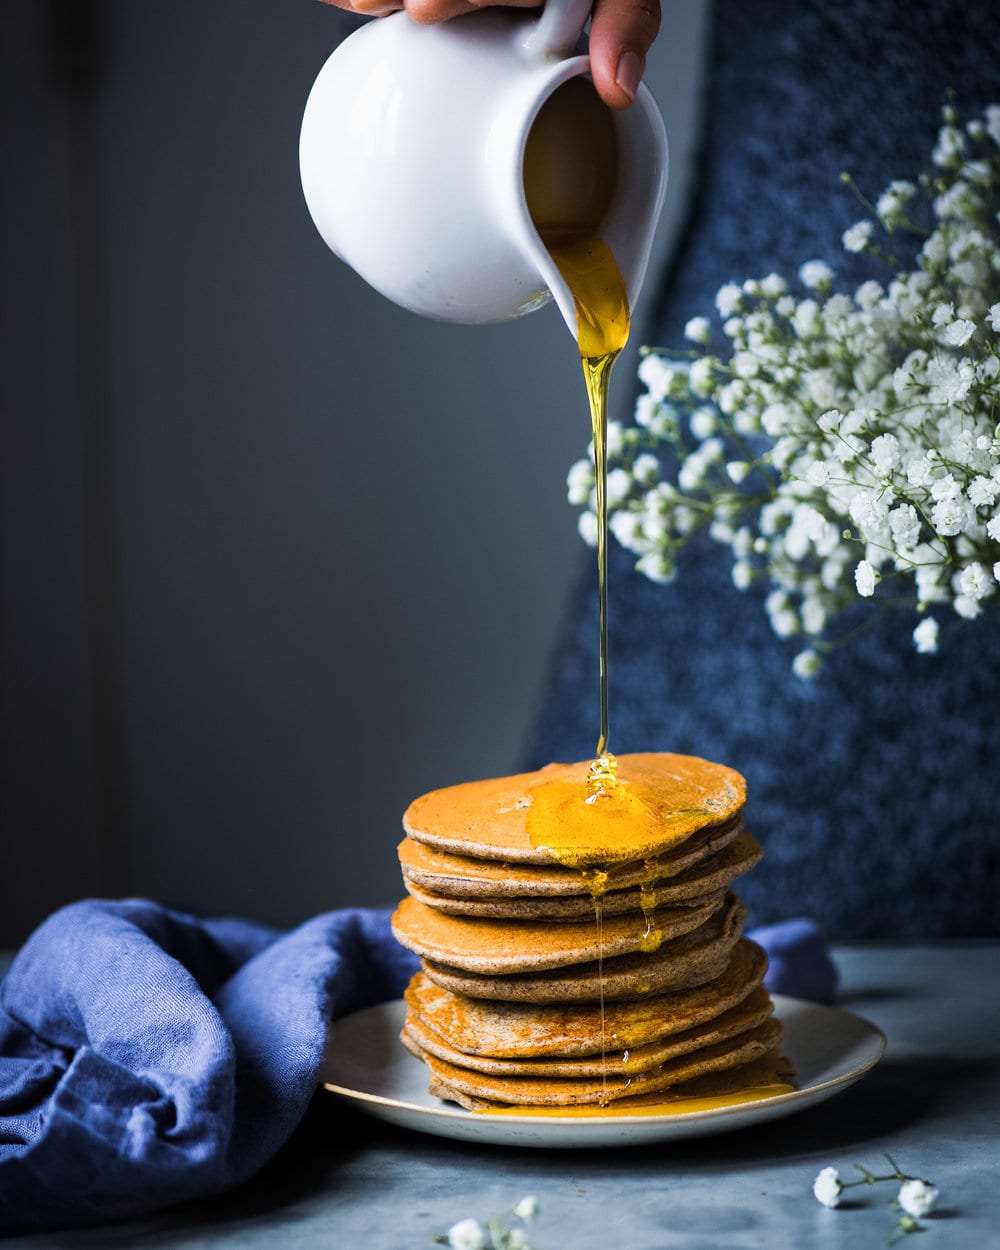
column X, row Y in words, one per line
column 549, row 816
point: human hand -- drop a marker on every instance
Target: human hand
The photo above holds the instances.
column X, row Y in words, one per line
column 621, row 33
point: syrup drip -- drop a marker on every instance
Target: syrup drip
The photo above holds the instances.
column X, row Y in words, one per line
column 652, row 937
column 589, row 269
column 568, row 187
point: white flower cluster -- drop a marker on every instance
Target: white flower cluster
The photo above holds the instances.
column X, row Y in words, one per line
column 504, row 1232
column 915, row 1198
column 842, row 446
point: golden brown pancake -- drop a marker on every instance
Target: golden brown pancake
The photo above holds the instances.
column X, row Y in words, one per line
column 660, row 802
column 498, row 947
column 705, row 878
column 617, row 1059
column 770, row 1070
column 566, row 1091
column 526, row 1030
column 686, row 961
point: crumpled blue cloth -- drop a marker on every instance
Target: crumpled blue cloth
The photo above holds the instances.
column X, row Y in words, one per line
column 148, row 1057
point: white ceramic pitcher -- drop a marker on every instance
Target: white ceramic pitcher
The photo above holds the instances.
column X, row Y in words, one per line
column 412, row 153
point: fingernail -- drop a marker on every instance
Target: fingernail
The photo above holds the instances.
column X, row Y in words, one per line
column 629, row 73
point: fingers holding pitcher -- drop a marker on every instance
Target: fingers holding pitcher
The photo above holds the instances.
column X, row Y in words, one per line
column 426, row 12
column 621, row 33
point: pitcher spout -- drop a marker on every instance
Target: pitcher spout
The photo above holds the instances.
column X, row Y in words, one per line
column 616, row 189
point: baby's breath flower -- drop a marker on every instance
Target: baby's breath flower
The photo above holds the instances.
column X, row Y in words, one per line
column 814, row 616
column 527, row 1208
column 580, row 482
column 975, row 581
column 773, row 286
column 807, row 664
column 657, row 567
column 742, row 574
column 587, row 525
column 619, row 484
column 925, row 636
column 467, row 1235
column 868, row 295
column 729, row 299
column 917, row 1198
column 942, row 314
column 657, row 376
column 827, row 1186
column 698, row 330
column 646, row 469
column 958, row 332
column 704, row 422
column 893, row 200
column 885, row 453
column 815, row 274
column 967, row 606
column 857, row 237
column 785, row 623
column 615, row 438
column 904, row 525
column 865, row 579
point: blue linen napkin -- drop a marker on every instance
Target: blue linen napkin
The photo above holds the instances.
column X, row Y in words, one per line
column 798, row 960
column 148, row 1057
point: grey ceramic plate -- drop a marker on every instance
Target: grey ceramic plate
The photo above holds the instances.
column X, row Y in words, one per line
column 367, row 1066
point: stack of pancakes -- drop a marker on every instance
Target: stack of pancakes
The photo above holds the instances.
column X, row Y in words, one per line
column 583, row 949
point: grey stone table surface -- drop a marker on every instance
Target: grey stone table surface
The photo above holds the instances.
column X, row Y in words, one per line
column 933, row 1103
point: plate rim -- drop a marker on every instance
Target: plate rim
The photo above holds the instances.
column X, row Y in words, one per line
column 765, row 1108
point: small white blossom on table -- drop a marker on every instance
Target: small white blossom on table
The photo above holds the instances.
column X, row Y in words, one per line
column 844, row 447
column 827, row 1187
column 916, row 1198
column 467, row 1235
column 498, row 1232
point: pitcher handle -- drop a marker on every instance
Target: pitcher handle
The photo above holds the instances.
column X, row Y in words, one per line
column 555, row 33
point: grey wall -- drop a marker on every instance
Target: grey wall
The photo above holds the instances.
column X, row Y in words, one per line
column 277, row 555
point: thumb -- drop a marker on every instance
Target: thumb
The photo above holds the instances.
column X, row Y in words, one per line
column 621, row 33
